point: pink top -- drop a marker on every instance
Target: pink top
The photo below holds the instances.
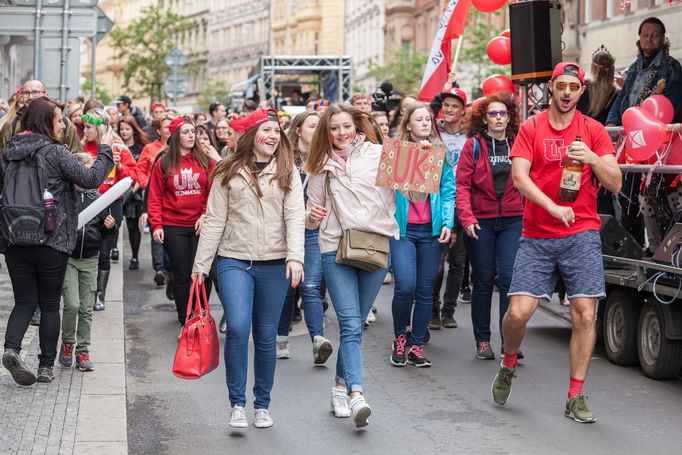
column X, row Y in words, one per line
column 419, row 212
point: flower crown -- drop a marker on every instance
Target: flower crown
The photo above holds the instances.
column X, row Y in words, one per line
column 92, row 119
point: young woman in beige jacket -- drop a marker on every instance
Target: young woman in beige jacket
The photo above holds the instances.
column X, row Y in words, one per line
column 255, row 221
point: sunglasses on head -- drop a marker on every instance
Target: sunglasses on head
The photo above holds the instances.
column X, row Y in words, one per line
column 493, row 114
column 561, row 86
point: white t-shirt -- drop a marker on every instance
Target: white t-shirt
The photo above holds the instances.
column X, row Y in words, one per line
column 454, row 144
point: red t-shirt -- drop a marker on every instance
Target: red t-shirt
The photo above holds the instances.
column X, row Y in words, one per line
column 545, row 147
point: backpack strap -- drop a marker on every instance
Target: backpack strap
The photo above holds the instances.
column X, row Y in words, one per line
column 477, row 149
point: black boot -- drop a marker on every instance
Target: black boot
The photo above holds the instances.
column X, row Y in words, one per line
column 102, row 281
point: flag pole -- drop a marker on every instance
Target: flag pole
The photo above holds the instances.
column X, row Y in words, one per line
column 460, row 40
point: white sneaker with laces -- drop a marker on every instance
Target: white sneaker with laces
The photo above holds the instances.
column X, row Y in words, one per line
column 282, row 347
column 340, row 403
column 263, row 419
column 238, row 417
column 360, row 410
column 371, row 317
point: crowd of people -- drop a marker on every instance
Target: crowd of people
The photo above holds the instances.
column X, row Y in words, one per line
column 256, row 205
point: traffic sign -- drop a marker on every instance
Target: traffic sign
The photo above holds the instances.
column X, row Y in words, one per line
column 176, row 58
column 104, row 24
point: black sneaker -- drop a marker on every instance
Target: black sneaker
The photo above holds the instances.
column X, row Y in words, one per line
column 35, row 319
column 134, row 264
column 160, row 278
column 398, row 351
column 449, row 320
column 45, row 374
column 484, row 351
column 114, row 255
column 416, row 357
column 435, row 322
column 21, row 375
column 465, row 295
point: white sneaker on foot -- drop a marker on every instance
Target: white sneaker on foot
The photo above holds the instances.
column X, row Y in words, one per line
column 263, row 419
column 282, row 347
column 322, row 349
column 371, row 317
column 238, row 417
column 360, row 410
column 340, row 406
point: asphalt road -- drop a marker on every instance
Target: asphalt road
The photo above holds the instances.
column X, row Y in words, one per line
column 444, row 409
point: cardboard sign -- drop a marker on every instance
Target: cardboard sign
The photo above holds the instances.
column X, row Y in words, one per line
column 408, row 166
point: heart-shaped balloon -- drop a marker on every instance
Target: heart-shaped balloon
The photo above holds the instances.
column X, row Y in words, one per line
column 660, row 107
column 675, row 155
column 643, row 133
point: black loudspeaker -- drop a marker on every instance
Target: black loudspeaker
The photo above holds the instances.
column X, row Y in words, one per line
column 535, row 28
column 670, row 244
column 616, row 241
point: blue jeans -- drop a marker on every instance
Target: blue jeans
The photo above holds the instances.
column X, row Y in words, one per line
column 309, row 290
column 252, row 295
column 353, row 292
column 497, row 243
column 416, row 257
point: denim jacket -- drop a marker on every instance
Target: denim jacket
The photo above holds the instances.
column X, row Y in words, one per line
column 669, row 69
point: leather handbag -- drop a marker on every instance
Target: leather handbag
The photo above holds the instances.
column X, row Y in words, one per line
column 198, row 351
column 360, row 249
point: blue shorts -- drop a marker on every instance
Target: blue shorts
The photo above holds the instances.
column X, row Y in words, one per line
column 576, row 258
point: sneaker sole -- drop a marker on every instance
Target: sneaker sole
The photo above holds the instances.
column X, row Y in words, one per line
column 423, row 365
column 572, row 416
column 86, row 369
column 435, row 327
column 239, row 425
column 361, row 417
column 44, row 379
column 263, row 425
column 397, row 364
column 323, row 353
column 480, row 357
column 66, row 364
column 450, row 326
column 21, row 375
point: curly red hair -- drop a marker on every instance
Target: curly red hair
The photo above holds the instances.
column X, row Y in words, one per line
column 475, row 123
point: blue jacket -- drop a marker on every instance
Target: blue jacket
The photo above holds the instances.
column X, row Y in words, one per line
column 669, row 69
column 442, row 204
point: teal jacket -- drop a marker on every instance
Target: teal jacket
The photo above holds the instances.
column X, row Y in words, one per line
column 442, row 205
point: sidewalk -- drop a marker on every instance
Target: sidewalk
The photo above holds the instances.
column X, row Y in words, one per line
column 78, row 413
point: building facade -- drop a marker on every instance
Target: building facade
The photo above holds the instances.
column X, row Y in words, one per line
column 307, row 27
column 365, row 40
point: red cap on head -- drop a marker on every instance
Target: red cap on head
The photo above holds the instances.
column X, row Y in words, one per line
column 458, row 93
column 238, row 124
column 259, row 116
column 158, row 105
column 178, row 122
column 569, row 69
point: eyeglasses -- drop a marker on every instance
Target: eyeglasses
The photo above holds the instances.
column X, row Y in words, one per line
column 33, row 93
column 561, row 86
column 493, row 114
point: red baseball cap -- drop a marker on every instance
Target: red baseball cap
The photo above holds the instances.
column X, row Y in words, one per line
column 156, row 105
column 238, row 124
column 178, row 122
column 569, row 69
column 259, row 116
column 458, row 93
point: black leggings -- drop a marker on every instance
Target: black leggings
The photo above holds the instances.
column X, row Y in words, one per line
column 134, row 235
column 37, row 275
column 181, row 245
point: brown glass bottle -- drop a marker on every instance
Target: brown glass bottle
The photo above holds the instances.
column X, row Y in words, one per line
column 569, row 187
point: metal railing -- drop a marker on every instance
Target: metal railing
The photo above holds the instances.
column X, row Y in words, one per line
column 661, row 166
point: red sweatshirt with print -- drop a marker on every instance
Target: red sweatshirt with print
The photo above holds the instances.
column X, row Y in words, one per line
column 179, row 198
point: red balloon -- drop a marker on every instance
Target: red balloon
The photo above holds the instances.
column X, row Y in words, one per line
column 497, row 83
column 660, row 107
column 506, row 33
column 675, row 155
column 499, row 50
column 643, row 133
column 488, row 6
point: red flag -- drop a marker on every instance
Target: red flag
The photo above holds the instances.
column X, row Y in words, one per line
column 438, row 66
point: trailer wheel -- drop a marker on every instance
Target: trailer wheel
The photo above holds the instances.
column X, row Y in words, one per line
column 659, row 357
column 620, row 326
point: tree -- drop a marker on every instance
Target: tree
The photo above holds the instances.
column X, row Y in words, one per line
column 100, row 93
column 143, row 46
column 405, row 72
column 214, row 90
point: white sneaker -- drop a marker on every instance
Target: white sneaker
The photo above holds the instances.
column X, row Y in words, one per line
column 282, row 347
column 340, row 403
column 322, row 349
column 263, row 419
column 238, row 417
column 361, row 411
column 371, row 317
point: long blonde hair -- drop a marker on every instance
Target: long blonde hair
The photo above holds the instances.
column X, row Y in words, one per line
column 404, row 133
column 601, row 86
column 101, row 129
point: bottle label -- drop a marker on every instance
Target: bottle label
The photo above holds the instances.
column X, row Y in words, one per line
column 570, row 180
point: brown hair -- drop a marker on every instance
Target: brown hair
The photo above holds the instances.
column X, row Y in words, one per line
column 404, row 134
column 39, row 117
column 601, row 85
column 244, row 158
column 475, row 123
column 138, row 135
column 321, row 144
column 296, row 123
column 204, row 130
column 173, row 157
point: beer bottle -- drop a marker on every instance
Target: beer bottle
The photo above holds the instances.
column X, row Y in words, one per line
column 570, row 179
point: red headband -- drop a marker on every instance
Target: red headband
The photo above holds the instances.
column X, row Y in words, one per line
column 259, row 116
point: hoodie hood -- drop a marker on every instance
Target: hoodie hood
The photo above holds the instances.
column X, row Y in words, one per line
column 22, row 145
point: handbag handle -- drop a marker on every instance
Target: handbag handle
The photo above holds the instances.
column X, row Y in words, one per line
column 198, row 300
column 328, row 188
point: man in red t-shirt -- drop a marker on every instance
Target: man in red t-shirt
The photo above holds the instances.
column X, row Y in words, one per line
column 559, row 238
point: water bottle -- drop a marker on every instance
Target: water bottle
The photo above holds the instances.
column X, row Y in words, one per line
column 50, row 211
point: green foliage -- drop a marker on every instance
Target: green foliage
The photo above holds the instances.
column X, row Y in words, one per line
column 405, row 72
column 143, row 46
column 214, row 90
column 100, row 93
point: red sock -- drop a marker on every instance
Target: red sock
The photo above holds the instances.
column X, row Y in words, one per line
column 510, row 360
column 575, row 388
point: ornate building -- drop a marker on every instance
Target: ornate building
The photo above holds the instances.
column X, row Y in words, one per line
column 307, row 27
column 365, row 40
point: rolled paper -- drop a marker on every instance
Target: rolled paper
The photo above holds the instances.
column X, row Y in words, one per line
column 104, row 201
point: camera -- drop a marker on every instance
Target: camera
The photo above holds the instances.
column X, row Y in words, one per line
column 384, row 99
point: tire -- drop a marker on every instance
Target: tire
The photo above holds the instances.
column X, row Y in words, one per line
column 621, row 314
column 659, row 357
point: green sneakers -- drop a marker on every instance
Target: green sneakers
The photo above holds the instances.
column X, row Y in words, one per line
column 501, row 387
column 576, row 409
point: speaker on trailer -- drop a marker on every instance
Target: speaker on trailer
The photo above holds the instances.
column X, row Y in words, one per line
column 616, row 241
column 535, row 28
column 670, row 244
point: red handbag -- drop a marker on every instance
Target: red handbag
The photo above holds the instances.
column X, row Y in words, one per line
column 198, row 350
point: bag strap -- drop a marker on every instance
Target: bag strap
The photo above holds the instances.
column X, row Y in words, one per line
column 477, row 149
column 328, row 189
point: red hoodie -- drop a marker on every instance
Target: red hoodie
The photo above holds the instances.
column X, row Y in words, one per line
column 180, row 198
column 127, row 169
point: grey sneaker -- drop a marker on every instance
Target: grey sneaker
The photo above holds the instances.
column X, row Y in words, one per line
column 340, row 406
column 238, row 417
column 360, row 410
column 322, row 349
column 263, row 419
column 576, row 409
column 45, row 374
column 21, row 375
column 83, row 362
column 282, row 347
column 484, row 351
column 66, row 355
column 502, row 384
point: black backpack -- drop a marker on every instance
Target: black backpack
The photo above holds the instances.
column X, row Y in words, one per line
column 22, row 215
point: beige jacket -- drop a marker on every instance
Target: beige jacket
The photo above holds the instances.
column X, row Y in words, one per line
column 240, row 225
column 361, row 204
